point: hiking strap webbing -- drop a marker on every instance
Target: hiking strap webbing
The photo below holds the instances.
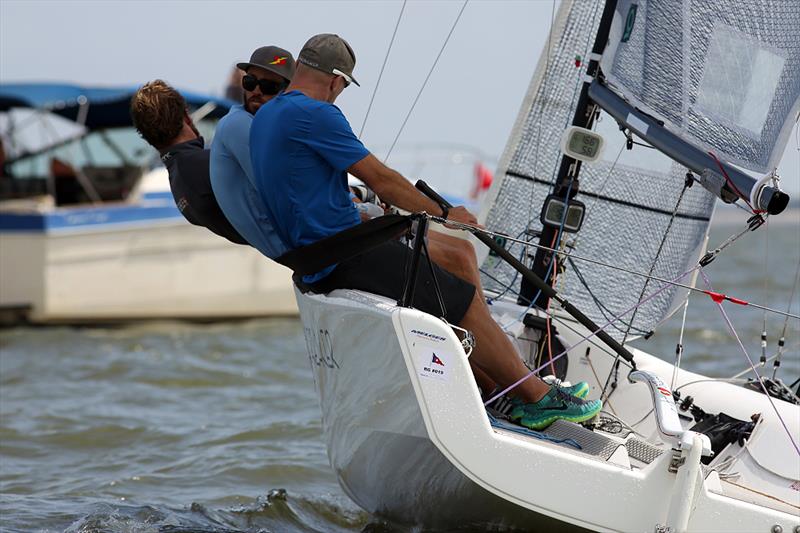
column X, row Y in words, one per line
column 349, row 243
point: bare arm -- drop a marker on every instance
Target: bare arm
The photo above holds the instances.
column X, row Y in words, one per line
column 392, row 187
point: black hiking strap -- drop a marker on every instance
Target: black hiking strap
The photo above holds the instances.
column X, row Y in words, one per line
column 349, row 243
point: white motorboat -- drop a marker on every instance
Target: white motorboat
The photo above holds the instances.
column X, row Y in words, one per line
column 108, row 243
column 408, row 433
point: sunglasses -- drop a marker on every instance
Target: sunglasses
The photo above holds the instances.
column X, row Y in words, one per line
column 347, row 79
column 268, row 87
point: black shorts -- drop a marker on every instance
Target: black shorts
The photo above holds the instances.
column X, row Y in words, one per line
column 383, row 271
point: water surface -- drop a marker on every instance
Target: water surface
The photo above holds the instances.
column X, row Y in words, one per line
column 171, row 426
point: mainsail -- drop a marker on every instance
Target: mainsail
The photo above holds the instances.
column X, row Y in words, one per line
column 639, row 216
column 724, row 75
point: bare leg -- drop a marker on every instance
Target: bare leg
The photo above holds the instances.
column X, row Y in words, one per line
column 494, row 352
column 485, row 383
column 455, row 255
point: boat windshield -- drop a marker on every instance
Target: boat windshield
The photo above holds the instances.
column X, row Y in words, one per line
column 50, row 156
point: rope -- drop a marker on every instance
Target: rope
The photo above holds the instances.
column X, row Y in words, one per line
column 424, row 83
column 752, row 366
column 555, row 243
column 476, row 229
column 615, row 368
column 604, row 310
column 510, row 285
column 380, row 75
column 586, row 338
column 730, row 182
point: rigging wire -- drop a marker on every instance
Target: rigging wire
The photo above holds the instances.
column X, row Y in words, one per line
column 679, row 346
column 615, row 368
column 686, row 186
column 602, row 188
column 782, row 339
column 750, row 361
column 587, row 337
column 752, row 224
column 543, row 91
column 380, row 75
column 477, row 229
column 425, row 83
column 604, row 310
column 770, row 358
column 554, row 244
column 766, row 296
column 510, row 285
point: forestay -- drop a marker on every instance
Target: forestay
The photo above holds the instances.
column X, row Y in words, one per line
column 630, row 201
column 724, row 75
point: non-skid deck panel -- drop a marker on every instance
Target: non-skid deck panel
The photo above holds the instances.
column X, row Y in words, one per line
column 568, row 434
column 642, row 451
column 591, row 442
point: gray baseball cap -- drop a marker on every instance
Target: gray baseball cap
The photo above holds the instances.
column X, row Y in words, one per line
column 271, row 58
column 328, row 52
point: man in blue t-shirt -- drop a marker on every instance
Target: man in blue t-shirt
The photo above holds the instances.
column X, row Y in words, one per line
column 302, row 148
column 268, row 72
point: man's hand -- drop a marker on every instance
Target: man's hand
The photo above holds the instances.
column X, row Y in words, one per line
column 460, row 214
column 391, row 187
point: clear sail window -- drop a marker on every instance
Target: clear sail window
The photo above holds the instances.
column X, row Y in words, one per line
column 739, row 80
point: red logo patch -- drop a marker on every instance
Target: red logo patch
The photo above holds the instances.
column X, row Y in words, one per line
column 436, row 361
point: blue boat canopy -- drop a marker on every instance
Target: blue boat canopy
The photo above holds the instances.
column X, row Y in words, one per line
column 108, row 107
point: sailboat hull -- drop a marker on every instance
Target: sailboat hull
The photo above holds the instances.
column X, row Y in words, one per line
column 414, row 446
column 375, row 433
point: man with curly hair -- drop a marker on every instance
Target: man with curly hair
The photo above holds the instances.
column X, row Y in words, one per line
column 160, row 115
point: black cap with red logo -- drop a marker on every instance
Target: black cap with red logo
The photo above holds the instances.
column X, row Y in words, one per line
column 271, row 58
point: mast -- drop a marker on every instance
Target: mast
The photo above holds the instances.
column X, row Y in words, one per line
column 567, row 185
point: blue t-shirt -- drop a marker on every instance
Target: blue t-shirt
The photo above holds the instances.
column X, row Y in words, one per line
column 234, row 186
column 301, row 149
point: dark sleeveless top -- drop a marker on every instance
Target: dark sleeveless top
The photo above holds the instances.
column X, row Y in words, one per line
column 190, row 183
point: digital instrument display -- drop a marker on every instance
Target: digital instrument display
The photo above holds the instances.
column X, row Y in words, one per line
column 582, row 144
column 553, row 213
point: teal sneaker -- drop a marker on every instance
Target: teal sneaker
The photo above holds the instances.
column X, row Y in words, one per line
column 579, row 390
column 514, row 407
column 557, row 404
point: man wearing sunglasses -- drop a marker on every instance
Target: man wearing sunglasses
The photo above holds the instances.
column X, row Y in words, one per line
column 302, row 150
column 268, row 72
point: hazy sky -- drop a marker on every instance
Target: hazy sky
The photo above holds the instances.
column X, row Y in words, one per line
column 472, row 97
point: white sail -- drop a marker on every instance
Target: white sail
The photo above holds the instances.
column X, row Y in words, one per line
column 724, row 75
column 638, row 214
